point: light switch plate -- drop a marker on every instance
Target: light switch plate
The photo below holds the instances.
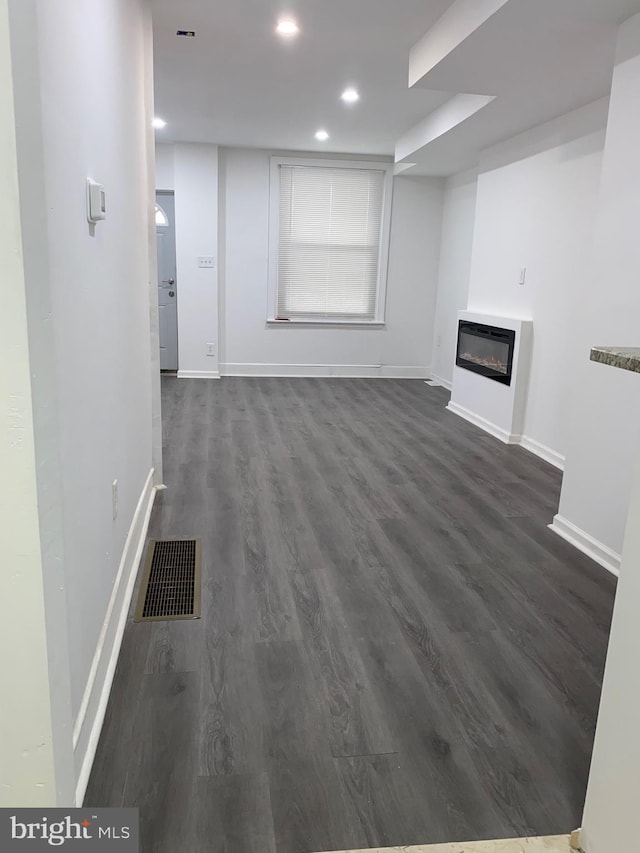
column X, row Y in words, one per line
column 205, row 262
column 96, row 202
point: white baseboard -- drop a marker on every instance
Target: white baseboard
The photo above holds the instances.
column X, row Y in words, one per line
column 346, row 371
column 198, row 374
column 90, row 718
column 388, row 371
column 446, row 383
column 544, row 452
column 600, row 553
column 530, row 444
column 487, row 426
column 575, row 840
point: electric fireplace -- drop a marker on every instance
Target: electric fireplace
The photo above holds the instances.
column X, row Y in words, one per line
column 487, row 350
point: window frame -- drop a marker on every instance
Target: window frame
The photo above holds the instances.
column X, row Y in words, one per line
column 274, row 239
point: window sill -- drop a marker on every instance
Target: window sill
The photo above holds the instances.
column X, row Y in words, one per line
column 334, row 324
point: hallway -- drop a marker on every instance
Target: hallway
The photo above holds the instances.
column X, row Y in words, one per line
column 394, row 649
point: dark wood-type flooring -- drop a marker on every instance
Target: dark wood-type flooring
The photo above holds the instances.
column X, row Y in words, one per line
column 393, row 650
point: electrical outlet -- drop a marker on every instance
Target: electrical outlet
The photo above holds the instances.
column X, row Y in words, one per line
column 211, row 349
column 205, row 262
column 114, row 499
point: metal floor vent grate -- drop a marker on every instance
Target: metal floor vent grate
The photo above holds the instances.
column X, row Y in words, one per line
column 171, row 582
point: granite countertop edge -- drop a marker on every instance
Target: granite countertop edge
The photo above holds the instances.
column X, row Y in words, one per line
column 625, row 358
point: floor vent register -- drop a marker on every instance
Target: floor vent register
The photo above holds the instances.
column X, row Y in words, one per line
column 171, row 581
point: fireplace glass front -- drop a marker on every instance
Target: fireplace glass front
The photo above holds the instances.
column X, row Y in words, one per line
column 486, row 350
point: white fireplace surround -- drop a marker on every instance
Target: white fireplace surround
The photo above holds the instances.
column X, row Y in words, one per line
column 496, row 408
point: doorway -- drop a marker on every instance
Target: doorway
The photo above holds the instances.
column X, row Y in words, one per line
column 167, row 293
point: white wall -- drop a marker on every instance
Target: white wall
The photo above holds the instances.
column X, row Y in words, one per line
column 164, row 167
column 416, row 228
column 403, row 347
column 195, row 181
column 536, row 207
column 458, row 221
column 600, row 480
column 611, row 812
column 36, row 761
column 89, row 319
column 605, row 426
column 152, row 254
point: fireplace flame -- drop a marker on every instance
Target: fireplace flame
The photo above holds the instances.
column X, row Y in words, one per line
column 487, row 361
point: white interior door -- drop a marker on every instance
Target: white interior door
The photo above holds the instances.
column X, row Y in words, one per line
column 167, row 293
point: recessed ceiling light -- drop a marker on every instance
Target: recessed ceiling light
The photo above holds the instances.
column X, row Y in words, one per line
column 159, row 123
column 322, row 136
column 350, row 96
column 287, row 27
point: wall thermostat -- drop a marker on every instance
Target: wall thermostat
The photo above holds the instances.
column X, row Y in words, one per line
column 96, row 201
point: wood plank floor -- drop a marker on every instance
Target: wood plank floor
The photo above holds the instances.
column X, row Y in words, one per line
column 394, row 649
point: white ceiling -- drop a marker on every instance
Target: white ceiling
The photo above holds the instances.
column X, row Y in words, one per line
column 237, row 83
column 540, row 58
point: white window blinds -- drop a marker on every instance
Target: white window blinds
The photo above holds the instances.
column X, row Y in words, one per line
column 330, row 231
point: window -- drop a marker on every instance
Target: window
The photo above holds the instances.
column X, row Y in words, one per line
column 329, row 241
column 161, row 218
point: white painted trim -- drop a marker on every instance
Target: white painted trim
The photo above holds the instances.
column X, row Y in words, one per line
column 346, row 371
column 324, row 324
column 487, row 426
column 198, row 374
column 389, row 371
column 576, row 839
column 446, row 383
column 530, row 444
column 583, row 541
column 551, row 456
column 534, row 844
column 90, row 718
